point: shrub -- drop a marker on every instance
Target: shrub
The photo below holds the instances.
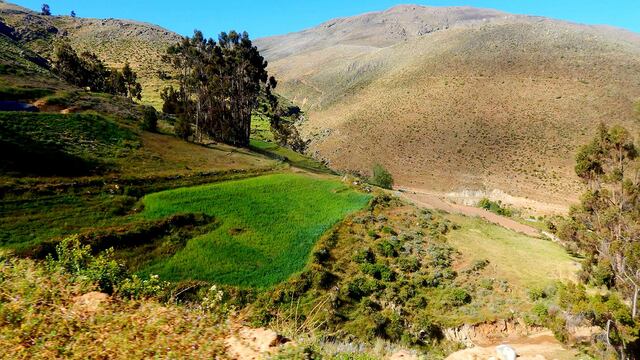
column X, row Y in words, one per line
column 387, row 249
column 456, row 297
column 149, row 119
column 379, row 271
column 409, row 264
column 381, row 177
column 495, row 207
column 75, row 259
column 478, row 265
column 137, row 288
column 364, row 256
column 183, row 129
column 361, row 287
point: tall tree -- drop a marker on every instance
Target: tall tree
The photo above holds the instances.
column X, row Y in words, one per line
column 606, row 224
column 46, row 10
column 88, row 71
column 219, row 84
column 134, row 89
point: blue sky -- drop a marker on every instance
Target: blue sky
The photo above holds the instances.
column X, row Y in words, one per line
column 272, row 17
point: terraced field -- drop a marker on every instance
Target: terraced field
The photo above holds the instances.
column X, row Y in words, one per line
column 267, row 227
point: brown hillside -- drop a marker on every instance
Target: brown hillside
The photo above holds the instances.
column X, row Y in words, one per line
column 114, row 41
column 482, row 100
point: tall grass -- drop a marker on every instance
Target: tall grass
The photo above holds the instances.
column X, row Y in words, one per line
column 268, row 226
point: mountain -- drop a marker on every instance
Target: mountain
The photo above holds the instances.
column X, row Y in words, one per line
column 115, row 41
column 459, row 98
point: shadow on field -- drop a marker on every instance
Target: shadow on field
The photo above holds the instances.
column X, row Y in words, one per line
column 22, row 155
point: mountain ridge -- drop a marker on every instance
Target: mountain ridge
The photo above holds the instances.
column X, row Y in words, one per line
column 478, row 106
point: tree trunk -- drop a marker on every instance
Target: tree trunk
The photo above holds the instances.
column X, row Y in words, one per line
column 634, row 302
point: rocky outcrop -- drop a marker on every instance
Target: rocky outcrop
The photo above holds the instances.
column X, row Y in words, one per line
column 489, row 333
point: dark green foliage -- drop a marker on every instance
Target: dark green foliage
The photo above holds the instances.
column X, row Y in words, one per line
column 88, row 71
column 183, row 128
column 321, row 255
column 388, row 248
column 495, row 207
column 603, row 227
column 76, row 259
column 172, row 101
column 478, row 266
column 73, row 258
column 360, row 287
column 45, row 10
column 605, row 311
column 381, row 177
column 219, row 85
column 379, row 271
column 456, row 297
column 149, row 119
column 409, row 264
column 363, row 256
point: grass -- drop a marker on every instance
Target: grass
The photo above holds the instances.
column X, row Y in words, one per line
column 57, row 144
column 12, row 93
column 268, row 226
column 285, row 154
column 522, row 260
column 47, row 314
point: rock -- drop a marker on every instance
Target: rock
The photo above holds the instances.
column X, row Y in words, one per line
column 90, row 302
column 506, row 352
column 403, row 355
column 251, row 344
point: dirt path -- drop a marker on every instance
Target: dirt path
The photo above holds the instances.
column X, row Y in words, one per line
column 535, row 347
column 435, row 202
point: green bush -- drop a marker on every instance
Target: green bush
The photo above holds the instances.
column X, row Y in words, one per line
column 387, row 248
column 495, row 207
column 182, row 128
column 379, row 271
column 75, row 259
column 381, row 177
column 363, row 256
column 149, row 119
column 456, row 297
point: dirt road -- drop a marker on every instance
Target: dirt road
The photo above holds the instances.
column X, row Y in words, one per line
column 435, row 202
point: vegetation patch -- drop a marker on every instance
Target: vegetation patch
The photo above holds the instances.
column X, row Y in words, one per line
column 287, row 155
column 12, row 93
column 522, row 260
column 495, row 207
column 57, row 144
column 280, row 217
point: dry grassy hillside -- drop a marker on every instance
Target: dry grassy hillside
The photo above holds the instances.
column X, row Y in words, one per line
column 115, row 41
column 487, row 101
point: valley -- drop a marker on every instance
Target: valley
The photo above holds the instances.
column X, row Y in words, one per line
column 415, row 183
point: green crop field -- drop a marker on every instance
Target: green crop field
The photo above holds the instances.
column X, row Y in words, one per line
column 268, row 226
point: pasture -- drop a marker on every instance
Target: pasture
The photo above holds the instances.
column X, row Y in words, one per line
column 267, row 227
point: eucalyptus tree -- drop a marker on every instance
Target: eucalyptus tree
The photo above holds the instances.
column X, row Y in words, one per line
column 219, row 84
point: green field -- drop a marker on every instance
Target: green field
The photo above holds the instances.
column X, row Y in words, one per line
column 268, row 226
column 522, row 260
column 287, row 155
column 57, row 144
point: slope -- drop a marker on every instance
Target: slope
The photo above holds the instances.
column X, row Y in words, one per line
column 114, row 41
column 485, row 100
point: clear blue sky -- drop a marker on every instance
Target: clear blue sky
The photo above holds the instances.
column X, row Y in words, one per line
column 272, row 17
